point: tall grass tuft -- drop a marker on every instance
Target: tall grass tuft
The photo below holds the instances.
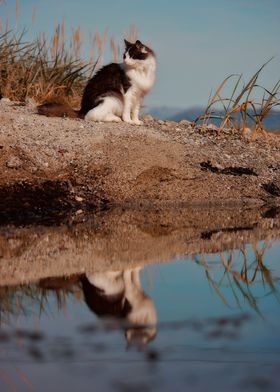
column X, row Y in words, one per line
column 39, row 70
column 247, row 105
column 21, row 300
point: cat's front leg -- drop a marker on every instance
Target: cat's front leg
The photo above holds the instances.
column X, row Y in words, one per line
column 128, row 100
column 131, row 109
column 126, row 118
column 135, row 114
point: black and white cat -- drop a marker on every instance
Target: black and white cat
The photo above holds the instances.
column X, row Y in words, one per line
column 119, row 294
column 116, row 91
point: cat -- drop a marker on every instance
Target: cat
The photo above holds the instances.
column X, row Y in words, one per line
column 119, row 294
column 116, row 91
column 115, row 295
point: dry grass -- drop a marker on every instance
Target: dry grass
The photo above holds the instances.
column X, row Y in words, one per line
column 240, row 275
column 45, row 69
column 32, row 299
column 41, row 71
column 241, row 110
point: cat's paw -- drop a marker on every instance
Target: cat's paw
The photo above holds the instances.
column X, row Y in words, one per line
column 133, row 122
column 128, row 120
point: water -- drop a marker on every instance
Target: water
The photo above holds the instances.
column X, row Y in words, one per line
column 142, row 301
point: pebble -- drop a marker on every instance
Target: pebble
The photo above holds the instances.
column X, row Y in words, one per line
column 248, row 133
column 212, row 127
column 31, row 102
column 147, row 118
column 170, row 123
column 78, row 198
column 13, row 162
column 165, row 127
column 184, row 122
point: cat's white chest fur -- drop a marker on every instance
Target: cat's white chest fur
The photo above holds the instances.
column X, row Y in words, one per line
column 142, row 79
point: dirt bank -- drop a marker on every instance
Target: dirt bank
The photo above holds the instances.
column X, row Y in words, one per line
column 160, row 162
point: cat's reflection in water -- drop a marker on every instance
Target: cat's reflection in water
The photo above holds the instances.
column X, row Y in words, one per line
column 116, row 294
column 119, row 294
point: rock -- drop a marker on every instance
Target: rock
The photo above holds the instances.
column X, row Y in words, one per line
column 31, row 102
column 185, row 122
column 247, row 133
column 212, row 127
column 13, row 162
column 165, row 128
column 170, row 123
column 161, row 122
column 14, row 243
column 78, row 198
column 147, row 118
column 7, row 100
column 202, row 127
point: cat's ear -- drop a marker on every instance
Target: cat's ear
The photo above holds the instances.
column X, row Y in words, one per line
column 138, row 44
column 127, row 44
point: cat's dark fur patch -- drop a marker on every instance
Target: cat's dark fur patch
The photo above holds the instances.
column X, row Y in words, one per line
column 135, row 51
column 104, row 305
column 110, row 80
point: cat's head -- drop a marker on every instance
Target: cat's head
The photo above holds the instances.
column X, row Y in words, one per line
column 136, row 53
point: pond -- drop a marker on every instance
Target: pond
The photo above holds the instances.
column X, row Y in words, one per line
column 142, row 300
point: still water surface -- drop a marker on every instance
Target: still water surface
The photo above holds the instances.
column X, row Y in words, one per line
column 199, row 322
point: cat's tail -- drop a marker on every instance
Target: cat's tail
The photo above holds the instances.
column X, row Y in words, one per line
column 58, row 109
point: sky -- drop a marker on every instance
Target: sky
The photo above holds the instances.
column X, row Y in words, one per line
column 197, row 42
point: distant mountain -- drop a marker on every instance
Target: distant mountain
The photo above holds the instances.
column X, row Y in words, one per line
column 272, row 122
column 175, row 114
column 163, row 112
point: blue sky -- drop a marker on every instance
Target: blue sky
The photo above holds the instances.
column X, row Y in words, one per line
column 198, row 42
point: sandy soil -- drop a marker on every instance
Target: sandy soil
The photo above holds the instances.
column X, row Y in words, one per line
column 157, row 163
